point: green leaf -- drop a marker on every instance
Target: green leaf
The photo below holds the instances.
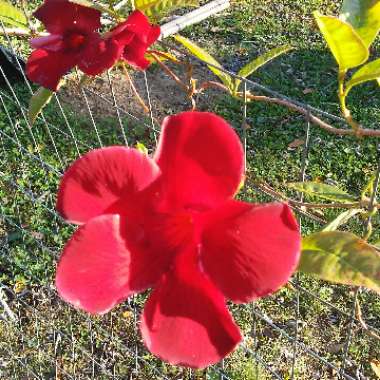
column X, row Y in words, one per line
column 323, row 191
column 141, row 147
column 12, row 16
column 252, row 66
column 206, row 57
column 342, row 218
column 341, row 257
column 368, row 72
column 364, row 16
column 37, row 102
column 160, row 7
column 345, row 44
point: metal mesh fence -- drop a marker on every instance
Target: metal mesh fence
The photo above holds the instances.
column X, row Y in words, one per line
column 309, row 330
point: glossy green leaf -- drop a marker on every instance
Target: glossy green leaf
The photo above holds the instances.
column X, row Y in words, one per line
column 160, row 7
column 12, row 16
column 341, row 257
column 345, row 44
column 37, row 102
column 342, row 219
column 252, row 66
column 368, row 72
column 206, row 57
column 364, row 16
column 323, row 191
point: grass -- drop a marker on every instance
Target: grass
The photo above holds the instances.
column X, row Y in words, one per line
column 28, row 255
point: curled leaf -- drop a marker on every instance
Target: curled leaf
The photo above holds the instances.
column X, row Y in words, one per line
column 323, row 191
column 37, row 102
column 206, row 57
column 344, row 42
column 341, row 257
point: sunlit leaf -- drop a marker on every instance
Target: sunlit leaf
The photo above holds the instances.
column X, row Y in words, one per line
column 364, row 16
column 323, row 191
column 206, row 57
column 12, row 16
column 345, row 44
column 160, row 7
column 37, row 102
column 368, row 72
column 255, row 64
column 141, row 147
column 341, row 257
column 342, row 218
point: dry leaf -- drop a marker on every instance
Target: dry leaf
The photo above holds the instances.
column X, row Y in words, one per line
column 308, row 91
column 296, row 143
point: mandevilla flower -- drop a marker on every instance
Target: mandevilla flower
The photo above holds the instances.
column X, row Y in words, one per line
column 170, row 223
column 74, row 41
column 136, row 35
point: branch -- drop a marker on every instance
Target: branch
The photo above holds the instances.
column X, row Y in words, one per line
column 359, row 132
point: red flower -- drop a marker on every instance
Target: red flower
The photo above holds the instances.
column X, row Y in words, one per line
column 73, row 41
column 171, row 223
column 136, row 35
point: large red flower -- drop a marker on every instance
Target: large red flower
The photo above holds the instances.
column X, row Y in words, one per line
column 171, row 223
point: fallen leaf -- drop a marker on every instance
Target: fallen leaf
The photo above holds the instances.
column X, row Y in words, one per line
column 296, row 143
column 308, row 91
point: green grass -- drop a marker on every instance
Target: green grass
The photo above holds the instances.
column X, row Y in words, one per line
column 246, row 30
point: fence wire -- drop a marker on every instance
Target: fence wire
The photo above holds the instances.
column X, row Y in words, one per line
column 43, row 338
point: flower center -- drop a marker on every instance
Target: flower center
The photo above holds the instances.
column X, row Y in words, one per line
column 179, row 229
column 74, row 40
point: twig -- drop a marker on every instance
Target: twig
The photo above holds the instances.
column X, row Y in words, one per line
column 139, row 98
column 360, row 132
column 359, row 317
column 169, row 72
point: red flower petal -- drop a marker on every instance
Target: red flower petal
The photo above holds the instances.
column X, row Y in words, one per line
column 99, row 55
column 137, row 24
column 59, row 16
column 258, row 252
column 201, row 159
column 93, row 271
column 52, row 42
column 100, row 178
column 47, row 68
column 185, row 320
column 155, row 32
column 134, row 54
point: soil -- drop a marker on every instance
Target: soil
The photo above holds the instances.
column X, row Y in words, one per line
column 167, row 97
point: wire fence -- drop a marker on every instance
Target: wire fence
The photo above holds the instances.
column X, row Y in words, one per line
column 43, row 338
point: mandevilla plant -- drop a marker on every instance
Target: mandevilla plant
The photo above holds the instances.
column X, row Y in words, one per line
column 170, row 223
column 349, row 38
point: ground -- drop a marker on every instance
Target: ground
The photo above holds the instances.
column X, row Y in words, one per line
column 51, row 340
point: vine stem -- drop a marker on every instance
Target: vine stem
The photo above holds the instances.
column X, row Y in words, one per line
column 342, row 94
column 360, row 132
